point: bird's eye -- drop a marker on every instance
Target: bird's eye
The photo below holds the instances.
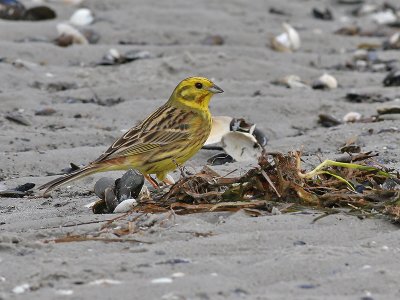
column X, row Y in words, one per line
column 198, row 85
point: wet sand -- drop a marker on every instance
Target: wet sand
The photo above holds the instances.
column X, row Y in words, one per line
column 203, row 256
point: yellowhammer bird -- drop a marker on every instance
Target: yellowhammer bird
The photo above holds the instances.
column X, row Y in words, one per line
column 167, row 138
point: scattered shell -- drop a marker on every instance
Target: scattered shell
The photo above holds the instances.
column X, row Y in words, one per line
column 213, row 40
column 40, row 13
column 288, row 41
column 100, row 207
column 92, row 36
column 20, row 289
column 220, row 159
column 170, row 179
column 82, row 17
column 144, row 193
column 326, row 81
column 64, row 292
column 72, row 168
column 291, row 81
column 104, row 281
column 114, row 57
column 162, row 280
column 48, row 111
column 223, row 125
column 322, row 15
column 129, row 185
column 393, row 42
column 11, row 10
column 18, row 192
column 348, row 30
column 366, row 98
column 392, row 79
column 365, row 9
column 328, row 120
column 101, row 185
column 389, row 110
column 125, row 206
column 220, row 126
column 352, row 117
column 68, row 35
column 241, row 146
column 384, row 17
column 17, row 118
column 110, row 199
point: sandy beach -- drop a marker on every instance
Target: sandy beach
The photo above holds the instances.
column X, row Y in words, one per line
column 215, row 255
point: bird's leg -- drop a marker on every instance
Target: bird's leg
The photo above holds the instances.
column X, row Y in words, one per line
column 151, row 181
column 180, row 167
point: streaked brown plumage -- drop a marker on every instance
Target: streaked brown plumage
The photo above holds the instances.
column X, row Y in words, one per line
column 167, row 138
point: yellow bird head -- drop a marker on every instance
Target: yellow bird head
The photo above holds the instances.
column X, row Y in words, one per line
column 194, row 92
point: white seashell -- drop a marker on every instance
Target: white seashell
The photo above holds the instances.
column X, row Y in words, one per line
column 105, row 281
column 144, row 193
column 241, row 146
column 287, row 41
column 170, row 179
column 352, row 117
column 64, row 292
column 326, row 81
column 220, row 127
column 125, row 206
column 384, row 17
column 360, row 54
column 293, row 81
column 20, row 289
column 162, row 280
column 82, row 17
column 68, row 30
column 394, row 41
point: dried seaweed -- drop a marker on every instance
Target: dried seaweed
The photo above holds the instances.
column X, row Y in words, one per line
column 279, row 180
column 277, row 185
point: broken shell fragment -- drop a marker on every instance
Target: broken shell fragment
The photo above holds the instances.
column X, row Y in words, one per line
column 221, row 125
column 291, row 81
column 322, row 15
column 384, row 17
column 326, row 81
column 125, row 206
column 392, row 79
column 110, row 199
column 213, row 40
column 220, row 159
column 68, row 35
column 328, row 120
column 241, row 146
column 11, row 10
column 288, row 41
column 82, row 17
column 352, row 117
column 114, row 57
column 393, row 42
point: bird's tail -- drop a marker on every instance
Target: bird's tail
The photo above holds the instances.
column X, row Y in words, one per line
column 88, row 170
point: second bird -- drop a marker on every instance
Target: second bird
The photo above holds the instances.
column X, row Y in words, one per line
column 167, row 138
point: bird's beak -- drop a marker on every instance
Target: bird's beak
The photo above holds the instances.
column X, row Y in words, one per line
column 215, row 89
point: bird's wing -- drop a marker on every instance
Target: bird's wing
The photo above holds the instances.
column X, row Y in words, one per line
column 148, row 135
